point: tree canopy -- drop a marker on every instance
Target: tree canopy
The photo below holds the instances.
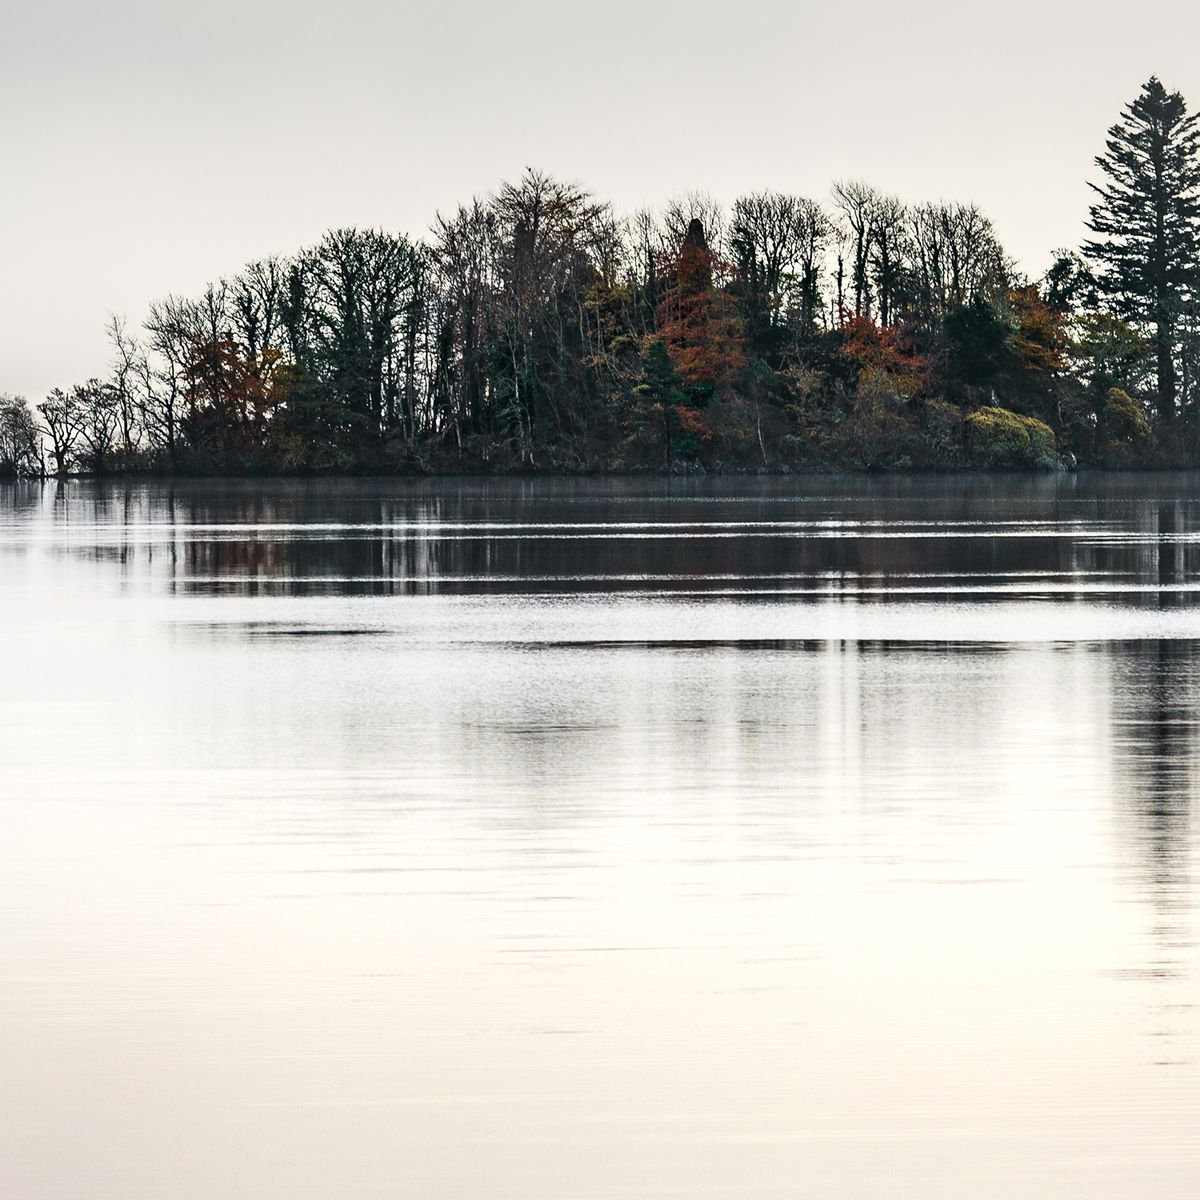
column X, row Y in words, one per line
column 534, row 328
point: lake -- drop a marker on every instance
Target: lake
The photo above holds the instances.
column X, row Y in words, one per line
column 569, row 840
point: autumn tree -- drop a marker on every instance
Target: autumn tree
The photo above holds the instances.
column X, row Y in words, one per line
column 698, row 321
column 1146, row 219
column 1039, row 334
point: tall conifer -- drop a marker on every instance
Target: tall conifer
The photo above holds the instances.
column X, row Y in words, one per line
column 1147, row 221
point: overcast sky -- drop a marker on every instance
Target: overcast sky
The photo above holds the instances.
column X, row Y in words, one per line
column 151, row 146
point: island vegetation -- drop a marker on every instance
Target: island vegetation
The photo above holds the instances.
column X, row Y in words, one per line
column 533, row 329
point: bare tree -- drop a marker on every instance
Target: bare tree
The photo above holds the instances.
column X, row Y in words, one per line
column 858, row 204
column 164, row 370
column 124, row 378
column 780, row 242
column 696, row 205
column 548, row 237
column 100, row 420
column 256, row 301
column 356, row 294
column 20, row 440
column 465, row 260
column 889, row 252
column 955, row 257
column 63, row 417
column 815, row 231
column 763, row 235
column 645, row 252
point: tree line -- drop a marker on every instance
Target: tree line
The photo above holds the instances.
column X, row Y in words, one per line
column 534, row 329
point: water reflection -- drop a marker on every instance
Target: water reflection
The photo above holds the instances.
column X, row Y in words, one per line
column 886, row 538
column 602, row 838
column 1156, row 726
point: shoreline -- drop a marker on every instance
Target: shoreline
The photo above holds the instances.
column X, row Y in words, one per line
column 555, row 474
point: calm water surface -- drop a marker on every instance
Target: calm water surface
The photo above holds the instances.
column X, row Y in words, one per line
column 568, row 841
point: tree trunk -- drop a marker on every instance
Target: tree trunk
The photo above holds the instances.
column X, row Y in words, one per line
column 1166, row 371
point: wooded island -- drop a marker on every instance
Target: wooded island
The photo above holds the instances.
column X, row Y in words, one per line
column 536, row 330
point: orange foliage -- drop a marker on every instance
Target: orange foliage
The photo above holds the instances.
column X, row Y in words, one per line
column 230, row 393
column 699, row 322
column 882, row 348
column 1040, row 338
column 692, row 421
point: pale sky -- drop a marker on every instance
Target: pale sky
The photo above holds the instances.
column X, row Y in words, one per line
column 150, row 146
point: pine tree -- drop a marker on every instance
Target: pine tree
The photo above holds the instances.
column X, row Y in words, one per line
column 1147, row 221
column 660, row 393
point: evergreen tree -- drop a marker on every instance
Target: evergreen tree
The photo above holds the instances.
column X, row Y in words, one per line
column 659, row 393
column 1147, row 221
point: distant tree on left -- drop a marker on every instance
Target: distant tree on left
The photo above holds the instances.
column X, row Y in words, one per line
column 20, row 442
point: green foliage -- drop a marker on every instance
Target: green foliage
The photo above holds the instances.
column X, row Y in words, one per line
column 942, row 431
column 660, row 383
column 1124, row 418
column 1069, row 284
column 997, row 438
column 1125, row 436
column 872, row 434
column 652, row 420
column 1146, row 221
column 1109, row 352
column 976, row 345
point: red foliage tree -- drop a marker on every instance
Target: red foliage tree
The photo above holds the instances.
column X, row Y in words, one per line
column 697, row 320
column 885, row 348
